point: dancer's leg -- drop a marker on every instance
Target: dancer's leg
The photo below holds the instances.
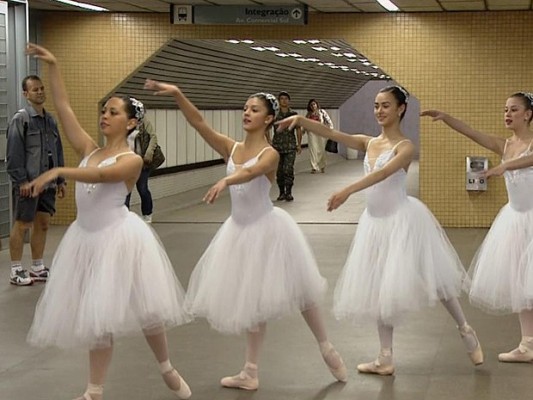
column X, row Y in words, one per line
column 315, row 321
column 248, row 378
column 157, row 340
column 99, row 360
column 383, row 364
column 468, row 335
column 524, row 351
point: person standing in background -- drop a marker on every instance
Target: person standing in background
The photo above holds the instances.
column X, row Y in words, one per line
column 317, row 144
column 287, row 144
column 33, row 147
column 143, row 142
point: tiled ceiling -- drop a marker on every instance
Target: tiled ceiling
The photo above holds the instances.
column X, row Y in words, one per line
column 326, row 6
column 220, row 74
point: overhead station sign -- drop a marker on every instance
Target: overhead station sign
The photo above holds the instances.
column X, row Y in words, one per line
column 239, row 15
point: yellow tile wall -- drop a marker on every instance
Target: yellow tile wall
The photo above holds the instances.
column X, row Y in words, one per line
column 464, row 63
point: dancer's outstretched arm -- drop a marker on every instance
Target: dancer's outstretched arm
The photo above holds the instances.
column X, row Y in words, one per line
column 126, row 168
column 79, row 139
column 491, row 142
column 358, row 142
column 222, row 144
column 517, row 163
column 404, row 155
column 267, row 163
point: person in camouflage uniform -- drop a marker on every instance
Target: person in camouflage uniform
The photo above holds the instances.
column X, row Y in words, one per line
column 287, row 145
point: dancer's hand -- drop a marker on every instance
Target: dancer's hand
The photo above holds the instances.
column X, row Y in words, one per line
column 496, row 171
column 287, row 123
column 337, row 200
column 435, row 114
column 41, row 53
column 160, row 88
column 215, row 190
column 38, row 184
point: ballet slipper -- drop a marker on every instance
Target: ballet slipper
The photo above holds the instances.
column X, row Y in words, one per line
column 522, row 354
column 476, row 355
column 171, row 377
column 93, row 392
column 381, row 366
column 246, row 379
column 334, row 361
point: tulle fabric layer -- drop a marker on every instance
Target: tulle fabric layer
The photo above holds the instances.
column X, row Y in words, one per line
column 397, row 264
column 502, row 269
column 107, row 283
column 254, row 272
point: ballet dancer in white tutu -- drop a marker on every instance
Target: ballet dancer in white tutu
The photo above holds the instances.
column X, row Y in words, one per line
column 502, row 269
column 400, row 259
column 259, row 265
column 110, row 275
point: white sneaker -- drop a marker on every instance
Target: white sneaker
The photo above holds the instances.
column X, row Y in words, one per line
column 147, row 218
column 20, row 277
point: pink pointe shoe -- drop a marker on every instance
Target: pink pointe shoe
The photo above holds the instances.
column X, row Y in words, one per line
column 93, row 392
column 476, row 355
column 522, row 354
column 334, row 361
column 174, row 381
column 246, row 379
column 381, row 366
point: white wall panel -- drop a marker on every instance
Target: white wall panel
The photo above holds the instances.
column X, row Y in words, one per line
column 171, row 150
column 181, row 143
column 191, row 143
column 181, row 126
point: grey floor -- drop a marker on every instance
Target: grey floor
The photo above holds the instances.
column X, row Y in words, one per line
column 430, row 359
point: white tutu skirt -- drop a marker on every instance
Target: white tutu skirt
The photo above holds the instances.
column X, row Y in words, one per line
column 254, row 272
column 397, row 263
column 106, row 283
column 502, row 269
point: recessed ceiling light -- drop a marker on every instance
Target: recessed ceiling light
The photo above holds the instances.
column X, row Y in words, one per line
column 334, row 48
column 313, row 41
column 247, row 41
column 337, row 54
column 258, row 48
column 83, row 5
column 272, row 48
column 350, row 55
column 299, row 41
column 388, row 5
column 232, row 41
column 295, row 55
column 282, row 55
column 320, row 49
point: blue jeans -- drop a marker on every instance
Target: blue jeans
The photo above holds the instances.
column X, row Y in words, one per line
column 144, row 193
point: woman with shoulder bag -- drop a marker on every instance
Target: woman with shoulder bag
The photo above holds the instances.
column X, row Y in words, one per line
column 317, row 144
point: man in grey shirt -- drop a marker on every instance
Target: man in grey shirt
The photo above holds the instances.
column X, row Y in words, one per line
column 33, row 147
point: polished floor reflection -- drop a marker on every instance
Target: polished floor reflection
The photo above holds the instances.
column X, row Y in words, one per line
column 431, row 362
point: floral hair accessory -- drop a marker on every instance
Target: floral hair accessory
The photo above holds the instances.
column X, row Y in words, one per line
column 529, row 96
column 139, row 109
column 271, row 99
column 401, row 89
